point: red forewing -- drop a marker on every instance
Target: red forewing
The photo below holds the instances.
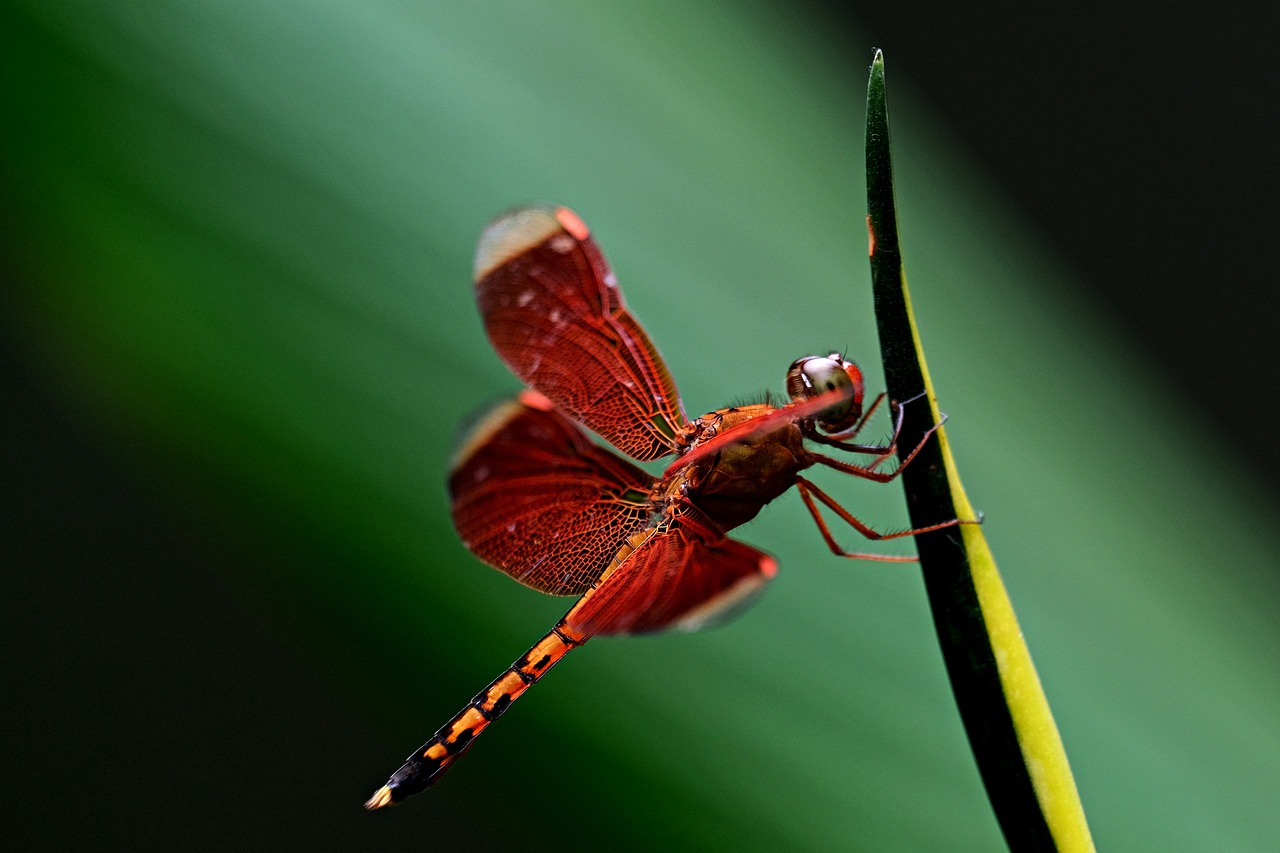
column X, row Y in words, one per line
column 771, row 420
column 533, row 497
column 554, row 313
column 683, row 573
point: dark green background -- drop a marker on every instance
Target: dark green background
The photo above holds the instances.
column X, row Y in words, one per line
column 238, row 333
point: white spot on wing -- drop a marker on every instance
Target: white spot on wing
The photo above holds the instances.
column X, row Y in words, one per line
column 524, row 298
column 561, row 243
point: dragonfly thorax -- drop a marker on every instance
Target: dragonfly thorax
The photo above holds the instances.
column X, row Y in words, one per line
column 732, row 484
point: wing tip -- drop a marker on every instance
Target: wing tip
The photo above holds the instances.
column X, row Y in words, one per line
column 572, row 223
column 535, row 400
column 516, row 232
column 480, row 427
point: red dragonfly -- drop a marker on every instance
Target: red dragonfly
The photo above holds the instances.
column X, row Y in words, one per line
column 535, row 498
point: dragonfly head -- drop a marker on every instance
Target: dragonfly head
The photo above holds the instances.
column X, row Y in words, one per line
column 817, row 374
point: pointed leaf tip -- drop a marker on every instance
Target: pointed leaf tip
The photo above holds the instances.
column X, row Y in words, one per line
column 875, row 82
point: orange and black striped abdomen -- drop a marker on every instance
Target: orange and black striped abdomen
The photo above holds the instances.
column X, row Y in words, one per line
column 432, row 759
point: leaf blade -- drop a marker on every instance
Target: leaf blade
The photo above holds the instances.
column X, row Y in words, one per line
column 1001, row 700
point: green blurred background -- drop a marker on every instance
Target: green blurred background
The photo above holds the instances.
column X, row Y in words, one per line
column 238, row 334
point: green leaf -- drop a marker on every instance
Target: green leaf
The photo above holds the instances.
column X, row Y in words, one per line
column 1005, row 712
column 237, row 264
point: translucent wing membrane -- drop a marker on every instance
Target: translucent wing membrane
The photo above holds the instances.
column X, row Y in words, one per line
column 683, row 573
column 533, row 497
column 554, row 313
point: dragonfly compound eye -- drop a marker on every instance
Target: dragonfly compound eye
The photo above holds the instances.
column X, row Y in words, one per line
column 813, row 375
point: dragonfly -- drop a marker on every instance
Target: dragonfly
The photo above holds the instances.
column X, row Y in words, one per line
column 536, row 498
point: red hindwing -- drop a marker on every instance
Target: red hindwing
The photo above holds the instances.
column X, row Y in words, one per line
column 683, row 573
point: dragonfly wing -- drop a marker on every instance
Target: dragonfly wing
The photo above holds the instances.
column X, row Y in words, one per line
column 554, row 313
column 762, row 424
column 683, row 574
column 535, row 498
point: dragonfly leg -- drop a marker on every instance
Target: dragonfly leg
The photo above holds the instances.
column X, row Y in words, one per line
column 853, row 431
column 881, row 451
column 869, row 472
column 808, row 491
column 427, row 764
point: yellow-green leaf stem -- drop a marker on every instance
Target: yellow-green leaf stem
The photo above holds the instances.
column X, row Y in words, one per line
column 1001, row 701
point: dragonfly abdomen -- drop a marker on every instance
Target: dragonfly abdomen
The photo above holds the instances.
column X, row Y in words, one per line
column 429, row 762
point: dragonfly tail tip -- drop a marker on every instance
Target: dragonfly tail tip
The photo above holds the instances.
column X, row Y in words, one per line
column 380, row 798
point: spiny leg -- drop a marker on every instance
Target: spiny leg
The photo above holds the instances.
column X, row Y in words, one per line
column 881, row 451
column 433, row 758
column 868, row 472
column 808, row 491
column 862, row 421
